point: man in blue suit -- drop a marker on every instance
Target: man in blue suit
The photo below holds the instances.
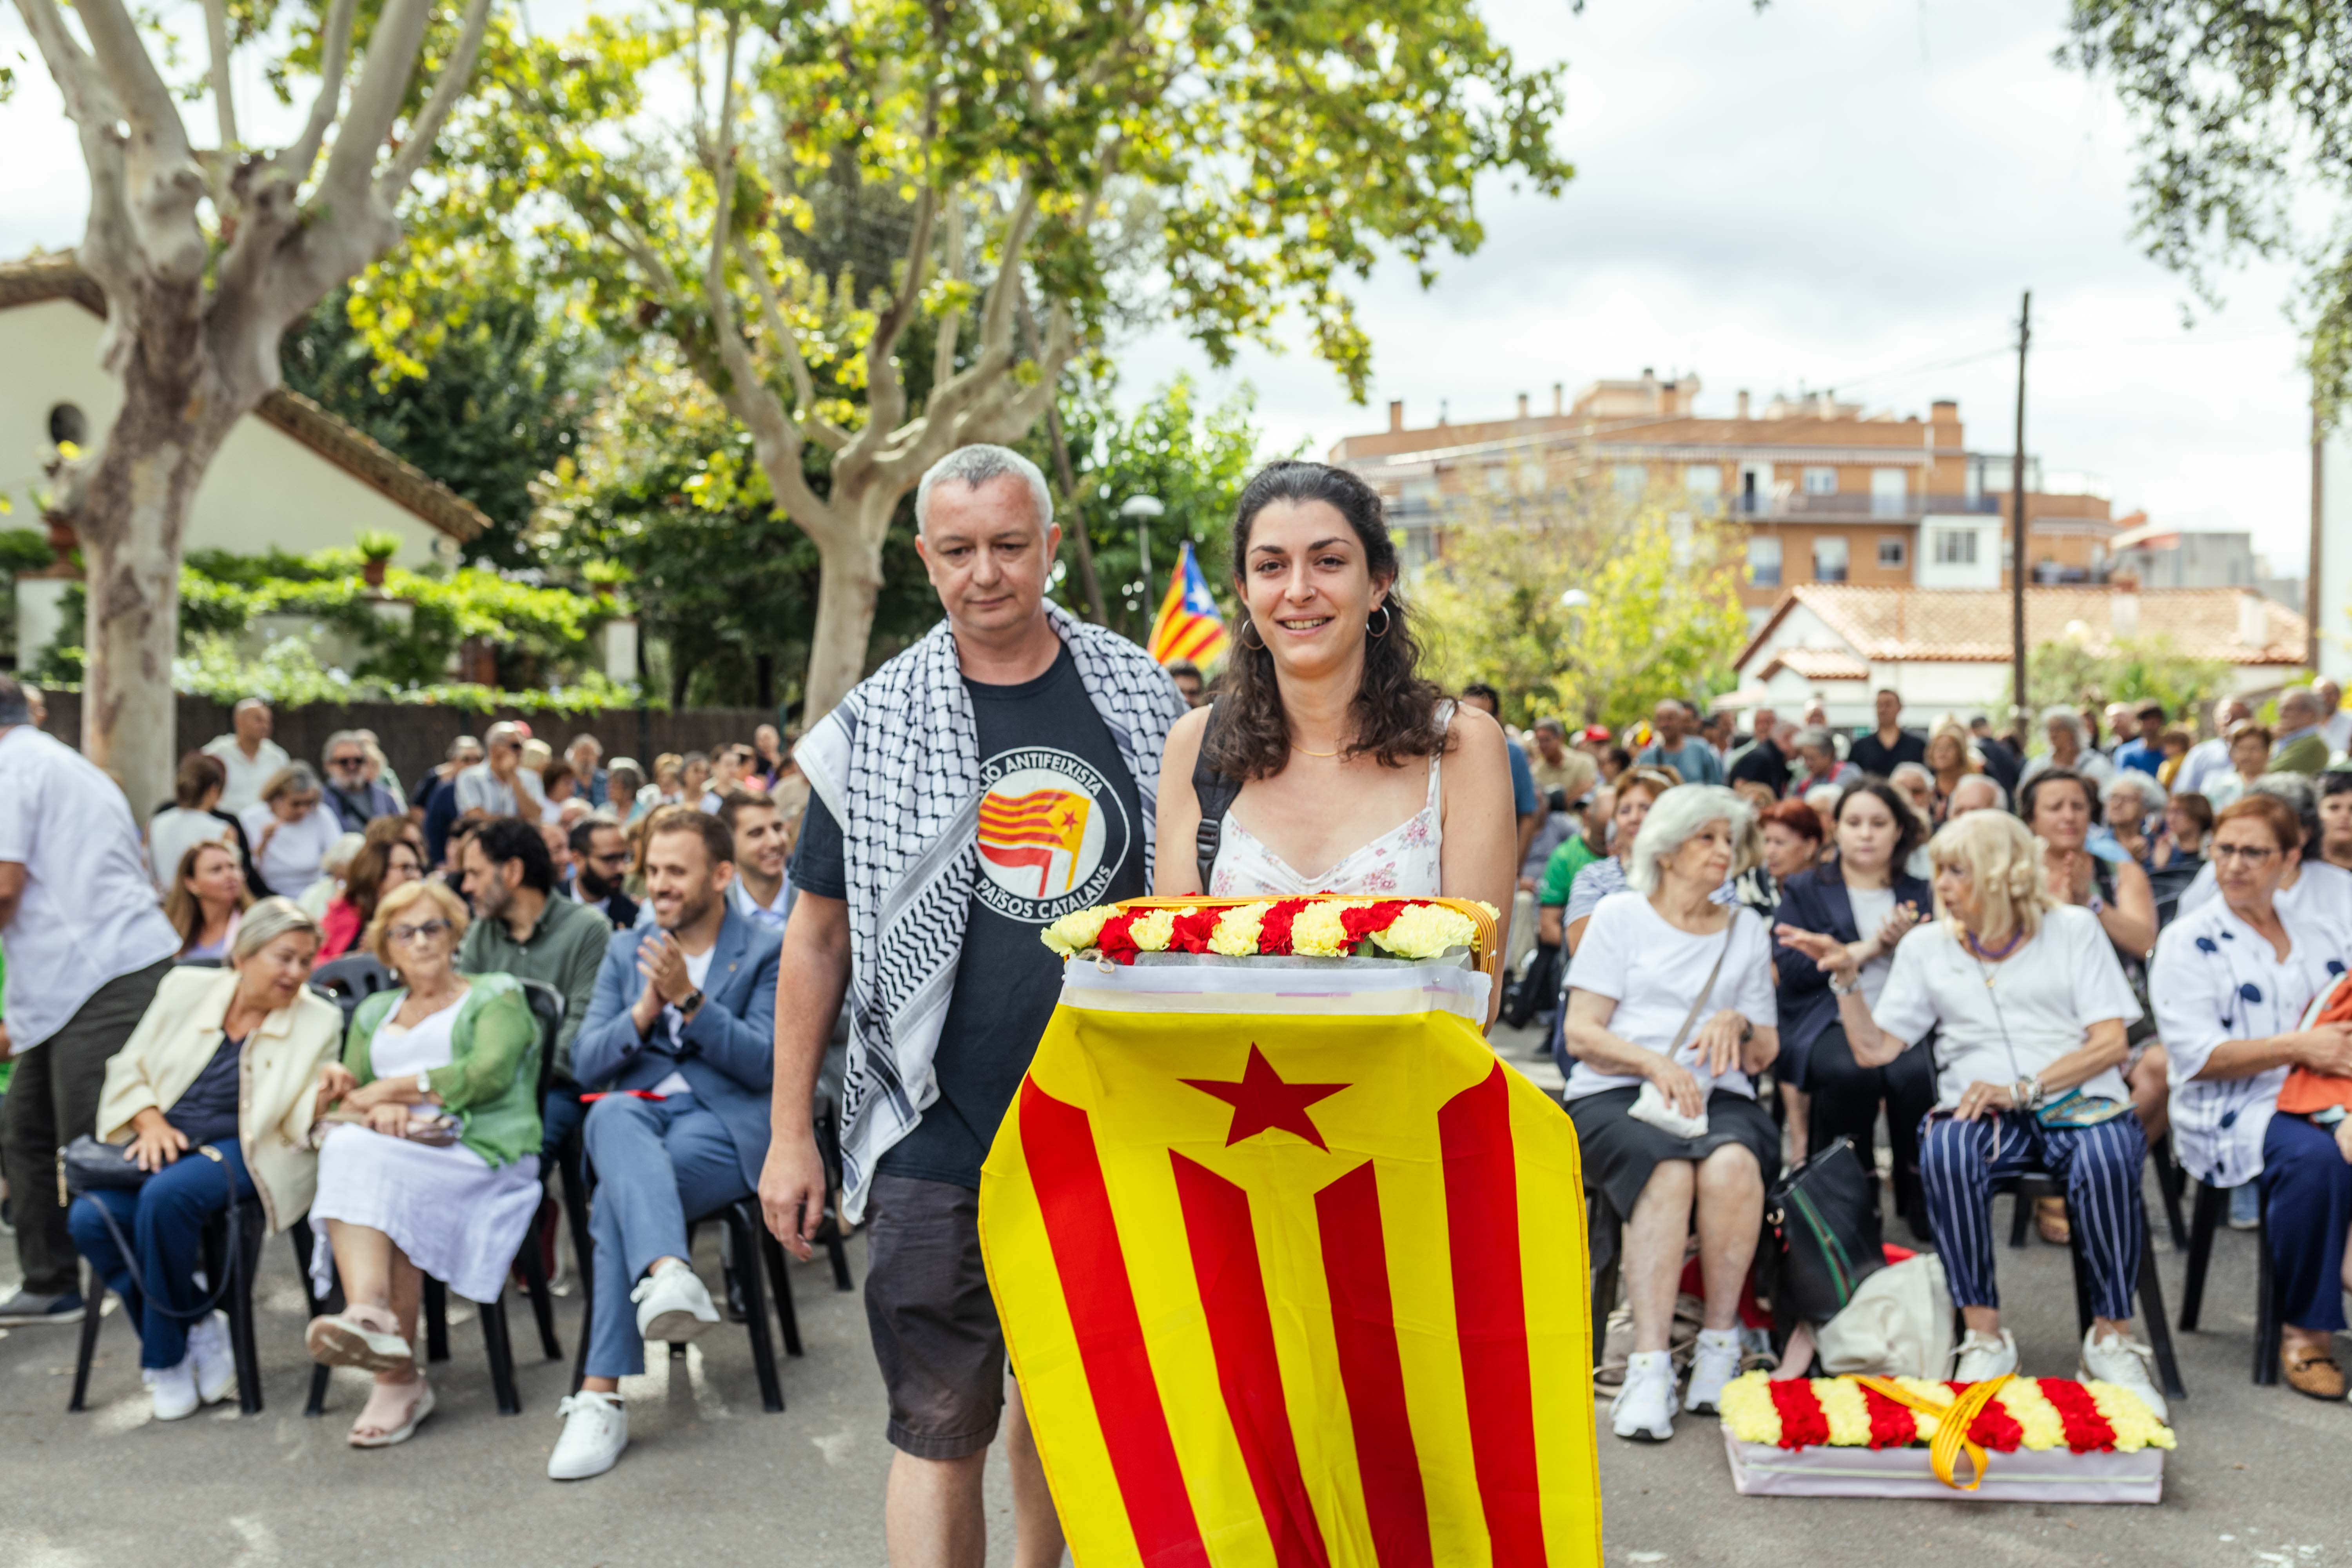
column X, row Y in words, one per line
column 681, row 1037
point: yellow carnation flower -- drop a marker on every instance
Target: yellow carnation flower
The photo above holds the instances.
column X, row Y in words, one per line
column 2035, row 1415
column 1154, row 932
column 1235, row 933
column 2136, row 1425
column 1317, row 932
column 1075, row 931
column 1427, row 931
column 1844, row 1407
column 1748, row 1411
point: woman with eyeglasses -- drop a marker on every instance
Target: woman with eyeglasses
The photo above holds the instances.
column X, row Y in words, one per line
column 289, row 833
column 2231, row 981
column 392, row 856
column 431, row 1163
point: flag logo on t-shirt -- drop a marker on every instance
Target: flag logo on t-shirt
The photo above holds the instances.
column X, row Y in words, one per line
column 1052, row 833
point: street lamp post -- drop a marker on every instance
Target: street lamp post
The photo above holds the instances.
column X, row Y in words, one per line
column 1143, row 509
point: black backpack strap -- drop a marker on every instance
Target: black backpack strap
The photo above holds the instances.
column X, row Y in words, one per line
column 1215, row 793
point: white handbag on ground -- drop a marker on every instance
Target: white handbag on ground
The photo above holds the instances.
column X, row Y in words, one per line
column 1899, row 1324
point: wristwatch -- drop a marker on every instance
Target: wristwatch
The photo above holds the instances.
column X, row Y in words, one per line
column 2097, row 903
column 1848, row 989
column 424, row 1083
column 690, row 1005
column 2028, row 1092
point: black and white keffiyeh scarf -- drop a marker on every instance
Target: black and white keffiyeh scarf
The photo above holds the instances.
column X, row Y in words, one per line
column 897, row 764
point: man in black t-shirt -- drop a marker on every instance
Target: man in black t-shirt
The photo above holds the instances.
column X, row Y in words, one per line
column 990, row 779
column 1765, row 760
column 1879, row 752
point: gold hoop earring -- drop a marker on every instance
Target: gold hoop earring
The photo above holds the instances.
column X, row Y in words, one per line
column 1258, row 646
column 1385, row 618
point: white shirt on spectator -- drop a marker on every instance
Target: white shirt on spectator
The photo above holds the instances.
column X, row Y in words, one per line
column 289, row 862
column 698, row 969
column 2205, row 960
column 1653, row 970
column 175, row 830
column 2206, row 764
column 88, row 913
column 2338, row 728
column 245, row 778
column 478, row 789
column 2043, row 1000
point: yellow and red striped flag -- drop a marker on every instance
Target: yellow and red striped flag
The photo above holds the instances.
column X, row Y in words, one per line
column 1189, row 627
column 1293, row 1274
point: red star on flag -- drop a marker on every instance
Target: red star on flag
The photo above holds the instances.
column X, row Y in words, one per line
column 1262, row 1103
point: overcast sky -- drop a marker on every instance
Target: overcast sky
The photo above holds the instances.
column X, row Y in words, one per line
column 1844, row 193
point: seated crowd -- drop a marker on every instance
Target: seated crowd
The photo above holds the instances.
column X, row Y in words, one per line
column 410, row 1133
column 2045, row 965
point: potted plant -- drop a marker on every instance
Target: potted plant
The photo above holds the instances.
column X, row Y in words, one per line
column 377, row 547
column 603, row 577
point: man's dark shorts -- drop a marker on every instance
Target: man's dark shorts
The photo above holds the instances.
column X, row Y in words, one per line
column 934, row 1323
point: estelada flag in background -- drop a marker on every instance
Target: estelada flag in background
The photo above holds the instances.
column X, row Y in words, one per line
column 1189, row 627
column 1293, row 1274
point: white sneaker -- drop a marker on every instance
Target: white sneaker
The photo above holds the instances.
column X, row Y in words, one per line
column 173, row 1388
column 1644, row 1406
column 1714, row 1363
column 214, row 1363
column 1986, row 1356
column 672, row 1305
column 595, row 1430
column 2124, row 1361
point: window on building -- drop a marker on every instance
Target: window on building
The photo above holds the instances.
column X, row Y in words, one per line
column 1764, row 561
column 1820, row 481
column 1829, row 559
column 1956, row 547
column 1703, row 486
column 1630, row 480
column 1531, row 477
column 1498, row 479
column 1889, row 492
column 1891, row 554
column 1421, row 495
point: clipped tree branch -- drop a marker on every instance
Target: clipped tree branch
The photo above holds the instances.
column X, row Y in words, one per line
column 829, row 434
column 224, row 90
column 334, row 58
column 456, row 72
column 392, row 50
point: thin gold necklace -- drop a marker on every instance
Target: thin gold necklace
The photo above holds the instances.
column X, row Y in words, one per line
column 1297, row 747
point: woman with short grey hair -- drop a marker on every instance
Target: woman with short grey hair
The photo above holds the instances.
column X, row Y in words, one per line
column 2070, row 748
column 291, row 830
column 1670, row 1011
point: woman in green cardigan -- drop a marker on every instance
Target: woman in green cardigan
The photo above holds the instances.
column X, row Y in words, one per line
column 437, row 1172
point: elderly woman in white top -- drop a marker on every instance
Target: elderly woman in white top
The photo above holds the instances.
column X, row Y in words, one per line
column 1670, row 1010
column 2070, row 747
column 2032, row 1005
column 214, row 1093
column 2231, row 983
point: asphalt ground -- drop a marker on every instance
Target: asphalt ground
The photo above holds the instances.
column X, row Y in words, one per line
column 2262, row 1477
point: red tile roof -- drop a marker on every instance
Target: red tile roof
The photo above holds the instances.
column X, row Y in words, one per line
column 1896, row 624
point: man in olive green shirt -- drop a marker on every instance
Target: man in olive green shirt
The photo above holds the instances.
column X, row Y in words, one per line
column 522, row 928
column 2302, row 746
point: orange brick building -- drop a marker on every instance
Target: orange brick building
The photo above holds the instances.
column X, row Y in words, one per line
column 1826, row 492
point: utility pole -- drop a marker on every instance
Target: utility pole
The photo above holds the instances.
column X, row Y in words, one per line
column 2311, row 573
column 2017, row 521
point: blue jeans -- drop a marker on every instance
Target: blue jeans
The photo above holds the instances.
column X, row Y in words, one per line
column 560, row 1115
column 659, row 1162
column 165, row 1222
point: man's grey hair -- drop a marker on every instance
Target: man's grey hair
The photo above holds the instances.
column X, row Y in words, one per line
column 975, row 466
column 1911, row 769
column 2298, row 697
column 1677, row 816
column 343, row 738
column 2151, row 791
column 245, row 702
column 2299, row 792
column 1813, row 738
column 2000, row 795
column 504, row 730
column 463, row 743
column 584, row 740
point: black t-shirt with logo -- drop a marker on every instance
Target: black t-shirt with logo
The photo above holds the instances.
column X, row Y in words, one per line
column 1061, row 828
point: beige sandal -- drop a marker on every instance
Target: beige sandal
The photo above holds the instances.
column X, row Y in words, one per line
column 417, row 1411
column 2051, row 1223
column 344, row 1338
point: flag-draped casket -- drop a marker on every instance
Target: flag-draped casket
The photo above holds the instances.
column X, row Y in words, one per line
column 1292, row 1269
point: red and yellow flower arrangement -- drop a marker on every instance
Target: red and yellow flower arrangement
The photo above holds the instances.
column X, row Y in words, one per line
column 2032, row 1413
column 1319, row 927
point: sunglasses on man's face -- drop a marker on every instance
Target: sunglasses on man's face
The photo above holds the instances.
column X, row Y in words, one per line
column 350, row 762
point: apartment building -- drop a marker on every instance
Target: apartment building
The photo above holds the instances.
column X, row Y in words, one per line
column 1824, row 492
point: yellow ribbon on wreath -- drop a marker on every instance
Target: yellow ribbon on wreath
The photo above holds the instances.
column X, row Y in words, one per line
column 1952, row 1424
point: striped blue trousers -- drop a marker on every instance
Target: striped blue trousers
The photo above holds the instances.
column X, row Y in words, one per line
column 1961, row 1161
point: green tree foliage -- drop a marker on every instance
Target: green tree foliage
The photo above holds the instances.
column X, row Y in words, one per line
column 1024, row 170
column 484, row 396
column 2132, row 669
column 1659, row 614
column 2245, row 116
column 1193, row 458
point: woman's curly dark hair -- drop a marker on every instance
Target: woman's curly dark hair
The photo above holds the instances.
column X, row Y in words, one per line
column 1395, row 709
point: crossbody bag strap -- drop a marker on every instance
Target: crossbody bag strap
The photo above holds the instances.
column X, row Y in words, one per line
column 233, row 1260
column 1706, row 990
column 1215, row 793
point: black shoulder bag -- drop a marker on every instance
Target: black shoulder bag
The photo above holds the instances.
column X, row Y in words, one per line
column 87, row 1165
column 1824, row 1215
column 1216, row 793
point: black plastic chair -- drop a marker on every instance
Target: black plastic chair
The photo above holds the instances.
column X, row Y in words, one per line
column 1604, row 1236
column 2036, row 1185
column 2171, row 1183
column 236, row 1301
column 547, row 1007
column 830, row 1230
column 2269, row 1331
